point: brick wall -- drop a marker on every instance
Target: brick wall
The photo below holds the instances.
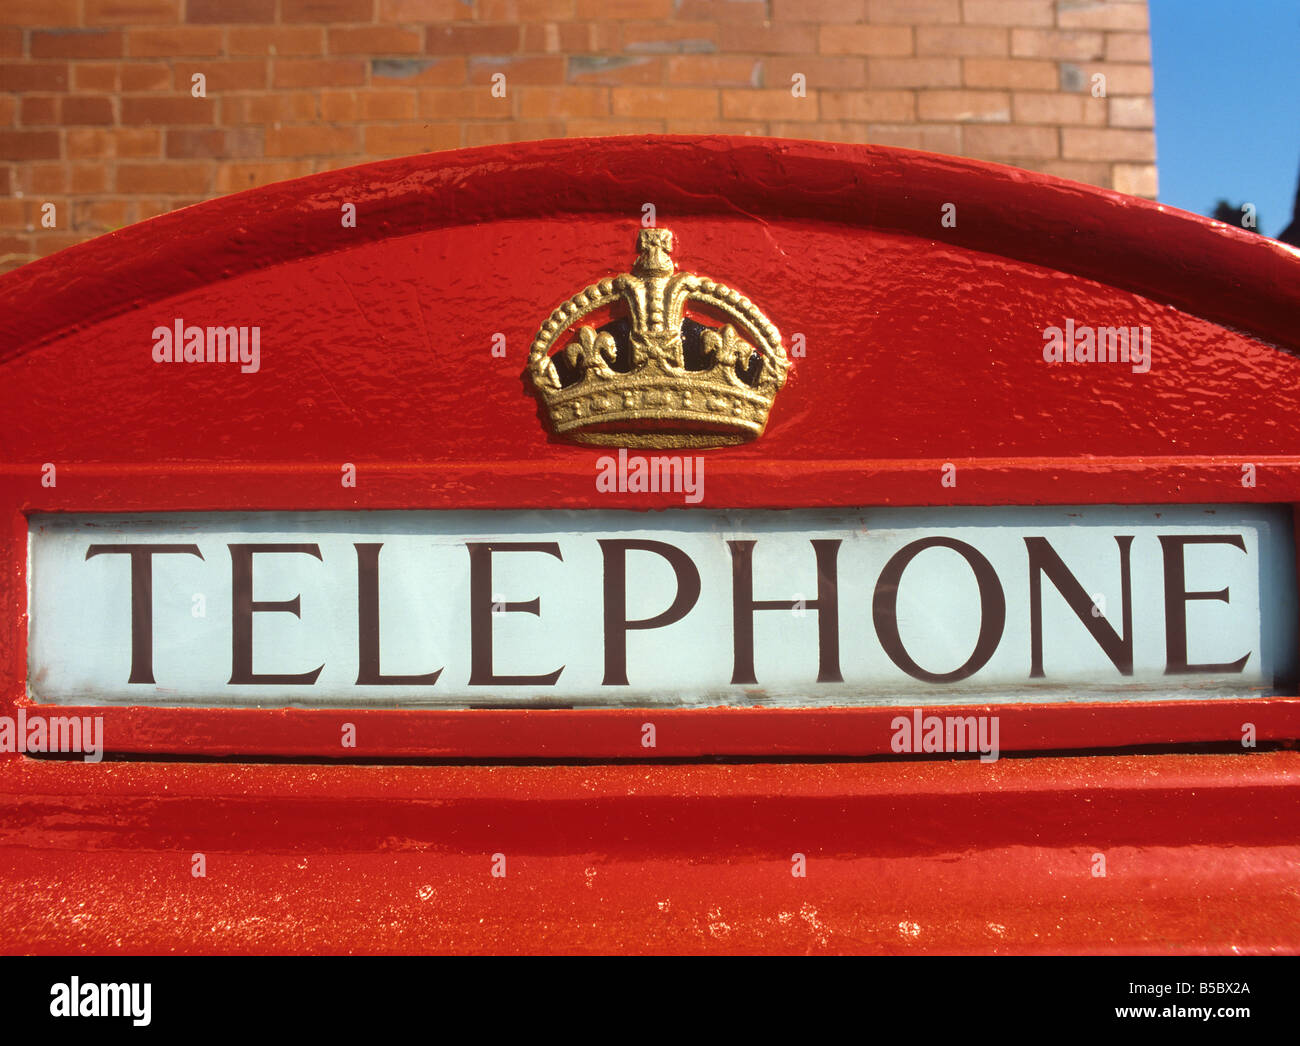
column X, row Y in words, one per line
column 98, row 115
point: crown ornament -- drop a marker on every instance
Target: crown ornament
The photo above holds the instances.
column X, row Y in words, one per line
column 656, row 377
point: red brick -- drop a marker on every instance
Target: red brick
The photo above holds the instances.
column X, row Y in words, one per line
column 183, row 110
column 13, row 213
column 1121, row 77
column 312, row 140
column 241, row 74
column 514, row 131
column 275, row 40
column 29, row 145
column 131, row 12
column 235, row 177
column 1021, row 73
column 1001, row 141
column 723, row 70
column 1058, row 108
column 663, row 102
column 306, row 72
column 1079, row 143
column 1128, row 47
column 340, row 106
column 865, row 39
column 409, row 139
column 472, row 39
column 914, row 72
column 1135, row 179
column 510, row 11
column 947, row 41
column 146, row 76
column 271, row 107
column 15, row 251
column 1103, row 14
column 326, row 11
column 174, row 42
column 1136, row 111
column 77, row 43
column 420, row 10
column 1053, row 43
column 95, row 76
column 163, row 177
column 595, row 128
column 43, row 179
column 95, row 109
column 33, row 76
column 218, row 12
column 1009, row 12
column 822, row 131
column 873, row 106
column 820, row 72
column 625, row 9
column 935, row 138
column 38, row 110
column 818, row 10
column 457, row 103
column 88, row 177
column 388, row 105
column 46, row 243
column 539, row 103
column 767, row 39
column 542, row 70
column 40, row 12
column 685, row 38
column 102, row 144
column 211, row 143
column 1075, row 170
column 723, row 10
column 99, row 216
column 775, row 104
column 964, row 106
column 335, row 81
column 913, row 12
column 620, row 69
column 146, row 208
column 575, row 38
column 417, row 72
column 378, row 39
column 686, row 125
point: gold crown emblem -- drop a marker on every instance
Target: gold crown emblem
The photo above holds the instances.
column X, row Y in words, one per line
column 656, row 377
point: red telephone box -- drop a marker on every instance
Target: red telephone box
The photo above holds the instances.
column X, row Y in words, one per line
column 895, row 468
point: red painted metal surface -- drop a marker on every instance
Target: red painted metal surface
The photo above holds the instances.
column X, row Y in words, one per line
column 923, row 348
column 907, row 857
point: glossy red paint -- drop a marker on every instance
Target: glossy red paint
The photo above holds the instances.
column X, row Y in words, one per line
column 923, row 348
column 903, row 857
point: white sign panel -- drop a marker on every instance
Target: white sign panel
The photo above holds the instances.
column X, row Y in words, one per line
column 675, row 608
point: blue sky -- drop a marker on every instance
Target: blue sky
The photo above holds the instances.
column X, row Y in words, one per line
column 1227, row 96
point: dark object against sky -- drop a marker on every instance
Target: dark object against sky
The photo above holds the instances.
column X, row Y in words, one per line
column 1291, row 234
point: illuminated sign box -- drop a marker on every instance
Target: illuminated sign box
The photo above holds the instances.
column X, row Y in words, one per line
column 685, row 608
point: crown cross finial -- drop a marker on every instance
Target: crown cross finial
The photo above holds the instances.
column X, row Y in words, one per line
column 658, row 378
column 654, row 249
